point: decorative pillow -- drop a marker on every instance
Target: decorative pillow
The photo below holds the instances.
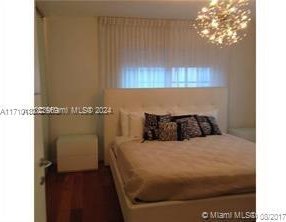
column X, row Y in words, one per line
column 175, row 118
column 168, row 131
column 194, row 110
column 124, row 122
column 188, row 128
column 204, row 124
column 214, row 125
column 213, row 112
column 136, row 125
column 151, row 127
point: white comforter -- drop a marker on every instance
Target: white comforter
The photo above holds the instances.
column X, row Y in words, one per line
column 182, row 170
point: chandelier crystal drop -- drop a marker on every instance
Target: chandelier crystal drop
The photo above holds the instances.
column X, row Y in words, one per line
column 223, row 22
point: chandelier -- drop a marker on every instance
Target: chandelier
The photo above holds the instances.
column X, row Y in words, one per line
column 223, row 22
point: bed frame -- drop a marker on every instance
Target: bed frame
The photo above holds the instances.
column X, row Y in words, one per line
column 168, row 211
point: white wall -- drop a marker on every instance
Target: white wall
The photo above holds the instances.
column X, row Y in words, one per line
column 242, row 82
column 72, row 73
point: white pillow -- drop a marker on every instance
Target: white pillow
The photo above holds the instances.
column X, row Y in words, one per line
column 200, row 110
column 132, row 123
column 124, row 124
column 136, row 125
column 157, row 111
column 213, row 113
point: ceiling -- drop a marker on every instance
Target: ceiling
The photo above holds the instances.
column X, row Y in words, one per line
column 171, row 9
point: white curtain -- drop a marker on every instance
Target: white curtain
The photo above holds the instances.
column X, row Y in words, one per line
column 140, row 53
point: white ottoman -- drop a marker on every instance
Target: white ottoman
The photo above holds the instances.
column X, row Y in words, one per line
column 77, row 153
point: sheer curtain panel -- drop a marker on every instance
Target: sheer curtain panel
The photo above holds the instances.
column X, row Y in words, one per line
column 147, row 53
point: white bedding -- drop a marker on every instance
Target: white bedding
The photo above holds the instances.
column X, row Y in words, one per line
column 182, row 170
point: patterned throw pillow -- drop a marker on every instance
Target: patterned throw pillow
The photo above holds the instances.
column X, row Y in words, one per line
column 214, row 125
column 168, row 131
column 188, row 128
column 175, row 118
column 208, row 125
column 204, row 124
column 151, row 127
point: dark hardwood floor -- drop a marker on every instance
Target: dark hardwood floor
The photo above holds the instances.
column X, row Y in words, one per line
column 82, row 196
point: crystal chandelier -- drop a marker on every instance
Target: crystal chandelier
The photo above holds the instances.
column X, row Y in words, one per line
column 223, row 22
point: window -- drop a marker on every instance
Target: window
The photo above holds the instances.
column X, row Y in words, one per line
column 160, row 77
column 190, row 77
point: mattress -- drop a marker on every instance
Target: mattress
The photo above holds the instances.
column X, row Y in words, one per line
column 202, row 167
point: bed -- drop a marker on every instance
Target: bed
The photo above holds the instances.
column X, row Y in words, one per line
column 219, row 194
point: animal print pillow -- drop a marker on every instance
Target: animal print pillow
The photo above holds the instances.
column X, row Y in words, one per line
column 151, row 126
column 204, row 124
column 188, row 128
column 208, row 125
column 168, row 131
column 214, row 125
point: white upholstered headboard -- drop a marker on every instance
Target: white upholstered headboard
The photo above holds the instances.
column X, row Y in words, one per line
column 137, row 99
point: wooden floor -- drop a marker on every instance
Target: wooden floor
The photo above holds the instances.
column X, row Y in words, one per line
column 82, row 197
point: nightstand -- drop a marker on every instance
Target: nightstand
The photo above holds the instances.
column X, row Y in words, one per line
column 77, row 153
column 246, row 133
